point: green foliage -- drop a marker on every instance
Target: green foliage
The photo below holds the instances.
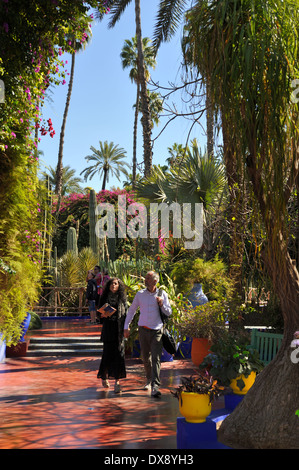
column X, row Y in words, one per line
column 178, row 304
column 204, row 321
column 211, row 274
column 17, row 292
column 231, row 357
column 73, row 267
column 137, row 268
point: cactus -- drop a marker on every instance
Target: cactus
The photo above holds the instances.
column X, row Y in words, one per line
column 111, row 248
column 72, row 240
column 93, row 239
column 55, row 271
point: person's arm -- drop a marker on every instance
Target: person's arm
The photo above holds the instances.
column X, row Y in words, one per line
column 164, row 304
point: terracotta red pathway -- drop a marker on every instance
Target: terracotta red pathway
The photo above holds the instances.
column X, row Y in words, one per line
column 58, row 403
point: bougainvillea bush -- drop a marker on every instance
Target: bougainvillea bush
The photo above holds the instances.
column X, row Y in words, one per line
column 33, row 38
column 74, row 213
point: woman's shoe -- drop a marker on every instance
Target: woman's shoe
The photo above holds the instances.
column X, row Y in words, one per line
column 105, row 383
column 117, row 388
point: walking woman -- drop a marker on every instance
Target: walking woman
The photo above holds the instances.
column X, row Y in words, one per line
column 112, row 365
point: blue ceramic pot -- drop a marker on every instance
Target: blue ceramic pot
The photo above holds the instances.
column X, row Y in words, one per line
column 165, row 356
column 2, row 349
column 25, row 325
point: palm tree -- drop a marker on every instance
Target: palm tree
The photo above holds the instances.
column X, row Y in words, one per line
column 117, row 8
column 199, row 178
column 77, row 45
column 155, row 105
column 108, row 160
column 193, row 59
column 69, row 182
column 129, row 56
column 177, row 153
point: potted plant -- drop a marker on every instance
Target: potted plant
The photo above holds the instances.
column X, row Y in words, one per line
column 202, row 320
column 195, row 395
column 203, row 324
column 232, row 363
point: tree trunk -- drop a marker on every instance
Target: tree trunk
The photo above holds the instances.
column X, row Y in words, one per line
column 266, row 419
column 135, row 138
column 236, row 199
column 210, row 121
column 104, row 179
column 62, row 132
column 146, row 122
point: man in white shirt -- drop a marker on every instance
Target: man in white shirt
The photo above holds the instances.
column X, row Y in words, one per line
column 150, row 328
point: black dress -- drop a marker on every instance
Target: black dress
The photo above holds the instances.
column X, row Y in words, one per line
column 112, row 365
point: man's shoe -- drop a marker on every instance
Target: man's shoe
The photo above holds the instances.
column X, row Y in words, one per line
column 155, row 392
column 147, row 386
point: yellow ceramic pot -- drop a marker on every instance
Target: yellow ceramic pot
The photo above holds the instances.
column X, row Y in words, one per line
column 249, row 381
column 195, row 407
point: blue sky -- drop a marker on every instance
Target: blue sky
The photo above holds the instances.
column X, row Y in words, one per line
column 102, row 100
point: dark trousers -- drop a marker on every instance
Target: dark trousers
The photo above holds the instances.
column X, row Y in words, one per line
column 151, row 350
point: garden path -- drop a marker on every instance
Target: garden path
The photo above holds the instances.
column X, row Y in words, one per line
column 58, row 402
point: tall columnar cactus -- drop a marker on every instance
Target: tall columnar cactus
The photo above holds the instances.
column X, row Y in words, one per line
column 93, row 239
column 72, row 240
column 111, row 248
column 98, row 245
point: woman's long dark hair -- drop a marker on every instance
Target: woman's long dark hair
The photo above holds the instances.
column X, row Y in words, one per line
column 122, row 296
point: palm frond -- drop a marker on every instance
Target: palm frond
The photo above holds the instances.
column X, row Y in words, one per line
column 168, row 18
column 116, row 11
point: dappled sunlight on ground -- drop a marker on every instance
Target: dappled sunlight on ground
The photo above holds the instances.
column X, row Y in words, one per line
column 58, row 403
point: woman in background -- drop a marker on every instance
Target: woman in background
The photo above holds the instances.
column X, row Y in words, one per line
column 112, row 365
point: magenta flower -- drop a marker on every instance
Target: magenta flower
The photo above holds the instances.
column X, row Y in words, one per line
column 5, row 27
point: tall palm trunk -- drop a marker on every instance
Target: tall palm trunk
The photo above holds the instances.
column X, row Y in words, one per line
column 104, row 179
column 147, row 131
column 135, row 137
column 210, row 120
column 58, row 187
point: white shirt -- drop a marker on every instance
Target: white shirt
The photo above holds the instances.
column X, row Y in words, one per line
column 149, row 309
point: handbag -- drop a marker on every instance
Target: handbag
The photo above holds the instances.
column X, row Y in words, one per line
column 168, row 340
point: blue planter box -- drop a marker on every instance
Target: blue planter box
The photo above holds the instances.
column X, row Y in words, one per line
column 197, row 435
column 184, row 349
column 231, row 400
